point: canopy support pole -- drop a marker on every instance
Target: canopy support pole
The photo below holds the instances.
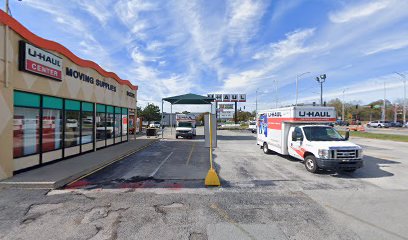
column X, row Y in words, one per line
column 171, row 119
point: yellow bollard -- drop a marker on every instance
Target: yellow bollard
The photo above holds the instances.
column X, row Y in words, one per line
column 212, row 178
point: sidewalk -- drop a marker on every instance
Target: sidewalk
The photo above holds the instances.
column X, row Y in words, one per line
column 61, row 173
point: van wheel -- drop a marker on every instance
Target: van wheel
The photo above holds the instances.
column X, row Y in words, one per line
column 266, row 149
column 311, row 164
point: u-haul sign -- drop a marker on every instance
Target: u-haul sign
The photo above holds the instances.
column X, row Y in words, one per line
column 38, row 61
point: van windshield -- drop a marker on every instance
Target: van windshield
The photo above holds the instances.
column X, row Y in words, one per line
column 185, row 124
column 319, row 133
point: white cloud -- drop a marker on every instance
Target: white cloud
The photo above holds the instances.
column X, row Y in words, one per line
column 244, row 17
column 387, row 46
column 358, row 11
column 98, row 9
column 293, row 44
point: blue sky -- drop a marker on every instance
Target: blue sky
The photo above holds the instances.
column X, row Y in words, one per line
column 175, row 47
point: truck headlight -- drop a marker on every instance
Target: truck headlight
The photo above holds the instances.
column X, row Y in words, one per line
column 360, row 153
column 324, row 153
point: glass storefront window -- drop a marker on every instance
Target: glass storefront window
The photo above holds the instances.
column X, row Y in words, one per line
column 124, row 121
column 26, row 126
column 52, row 123
column 110, row 128
column 72, row 123
column 87, row 122
column 52, row 129
column 100, row 122
column 118, row 122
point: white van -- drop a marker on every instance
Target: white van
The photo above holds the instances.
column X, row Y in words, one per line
column 303, row 132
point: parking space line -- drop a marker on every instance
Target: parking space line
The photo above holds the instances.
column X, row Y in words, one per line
column 191, row 153
column 161, row 164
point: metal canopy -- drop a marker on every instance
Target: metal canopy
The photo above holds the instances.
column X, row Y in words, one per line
column 189, row 99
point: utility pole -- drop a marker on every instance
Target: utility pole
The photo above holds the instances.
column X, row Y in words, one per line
column 342, row 107
column 383, row 112
column 276, row 93
column 256, row 100
column 297, row 80
column 404, row 108
column 321, row 79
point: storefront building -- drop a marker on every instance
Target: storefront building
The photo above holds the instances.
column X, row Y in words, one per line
column 53, row 104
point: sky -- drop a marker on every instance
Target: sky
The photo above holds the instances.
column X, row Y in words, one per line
column 254, row 47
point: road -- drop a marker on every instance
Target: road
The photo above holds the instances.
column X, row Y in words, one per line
column 158, row 193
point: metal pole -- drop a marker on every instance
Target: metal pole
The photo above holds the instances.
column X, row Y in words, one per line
column 161, row 122
column 209, row 123
column 171, row 119
column 256, row 101
column 236, row 113
column 404, row 108
column 321, row 93
column 383, row 113
column 342, row 107
column 297, row 80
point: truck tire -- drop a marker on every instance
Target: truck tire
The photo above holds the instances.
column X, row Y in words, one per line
column 311, row 164
column 265, row 148
column 176, row 137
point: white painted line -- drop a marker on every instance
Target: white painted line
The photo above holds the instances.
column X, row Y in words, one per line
column 161, row 164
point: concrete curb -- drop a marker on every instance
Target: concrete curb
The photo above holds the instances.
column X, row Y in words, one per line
column 75, row 177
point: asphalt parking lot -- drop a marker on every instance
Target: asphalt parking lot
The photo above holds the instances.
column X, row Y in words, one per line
column 158, row 193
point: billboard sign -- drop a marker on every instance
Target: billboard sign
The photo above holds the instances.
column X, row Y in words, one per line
column 40, row 62
column 226, row 106
column 226, row 115
column 228, row 97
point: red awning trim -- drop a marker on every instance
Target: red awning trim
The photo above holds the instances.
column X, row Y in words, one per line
column 54, row 46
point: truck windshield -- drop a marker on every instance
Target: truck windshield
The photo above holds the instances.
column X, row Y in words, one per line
column 184, row 124
column 322, row 134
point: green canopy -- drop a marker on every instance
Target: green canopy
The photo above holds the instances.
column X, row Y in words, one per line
column 189, row 99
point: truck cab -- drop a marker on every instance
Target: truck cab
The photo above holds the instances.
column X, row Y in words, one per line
column 185, row 130
column 322, row 147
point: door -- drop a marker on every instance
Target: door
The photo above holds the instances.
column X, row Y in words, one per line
column 295, row 141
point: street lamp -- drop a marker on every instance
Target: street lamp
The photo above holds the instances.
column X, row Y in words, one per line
column 297, row 79
column 404, row 111
column 342, row 106
column 321, row 79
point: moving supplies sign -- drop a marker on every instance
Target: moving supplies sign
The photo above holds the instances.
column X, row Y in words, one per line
column 38, row 61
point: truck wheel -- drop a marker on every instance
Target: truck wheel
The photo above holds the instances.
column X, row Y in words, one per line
column 265, row 148
column 176, row 137
column 311, row 164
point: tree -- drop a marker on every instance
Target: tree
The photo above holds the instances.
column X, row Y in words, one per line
column 243, row 116
column 151, row 113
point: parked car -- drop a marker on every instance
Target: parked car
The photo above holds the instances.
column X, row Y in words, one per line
column 342, row 123
column 379, row 124
column 252, row 126
column 155, row 125
column 395, row 124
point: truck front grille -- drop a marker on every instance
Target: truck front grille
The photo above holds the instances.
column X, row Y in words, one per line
column 344, row 154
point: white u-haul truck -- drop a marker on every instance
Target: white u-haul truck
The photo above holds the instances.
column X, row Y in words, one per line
column 303, row 132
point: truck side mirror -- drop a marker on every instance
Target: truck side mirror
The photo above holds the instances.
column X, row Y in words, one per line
column 347, row 135
column 294, row 136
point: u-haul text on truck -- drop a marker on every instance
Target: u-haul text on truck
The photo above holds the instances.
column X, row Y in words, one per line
column 303, row 132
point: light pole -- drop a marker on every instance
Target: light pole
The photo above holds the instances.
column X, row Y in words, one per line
column 342, row 106
column 404, row 108
column 297, row 80
column 321, row 79
column 256, row 100
column 383, row 112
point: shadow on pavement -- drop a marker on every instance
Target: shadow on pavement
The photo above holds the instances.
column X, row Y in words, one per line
column 371, row 169
column 234, row 138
